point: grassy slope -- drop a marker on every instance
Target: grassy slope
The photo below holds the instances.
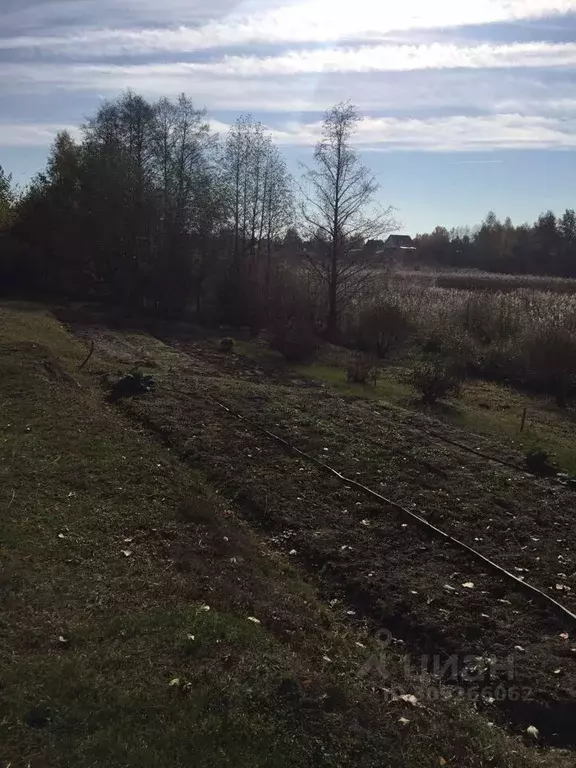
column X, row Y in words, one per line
column 111, row 555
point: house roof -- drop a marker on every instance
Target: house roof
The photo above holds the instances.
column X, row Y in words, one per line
column 399, row 241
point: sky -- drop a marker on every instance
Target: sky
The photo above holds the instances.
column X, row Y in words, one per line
column 469, row 105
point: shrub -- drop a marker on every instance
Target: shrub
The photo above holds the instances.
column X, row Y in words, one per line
column 502, row 361
column 227, row 344
column 382, row 329
column 450, row 342
column 435, row 380
column 361, row 370
column 297, row 343
column 374, row 375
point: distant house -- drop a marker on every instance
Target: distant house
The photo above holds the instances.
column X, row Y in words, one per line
column 399, row 248
column 399, row 242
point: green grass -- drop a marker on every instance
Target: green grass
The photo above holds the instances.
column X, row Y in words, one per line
column 79, row 487
column 257, row 352
column 111, row 554
column 388, row 387
column 483, row 407
column 547, row 426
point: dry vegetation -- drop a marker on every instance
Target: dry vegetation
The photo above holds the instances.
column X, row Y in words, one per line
column 476, row 280
column 524, row 337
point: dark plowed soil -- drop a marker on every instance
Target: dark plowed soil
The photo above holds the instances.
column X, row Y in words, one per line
column 381, row 569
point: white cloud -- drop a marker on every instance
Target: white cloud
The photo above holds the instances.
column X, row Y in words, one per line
column 509, row 83
column 38, row 16
column 388, row 58
column 445, row 134
column 320, row 21
column 31, row 134
column 364, row 59
column 457, row 133
column 423, row 92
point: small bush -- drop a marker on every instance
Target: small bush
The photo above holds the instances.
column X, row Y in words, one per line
column 374, row 375
column 361, row 370
column 435, row 380
column 296, row 343
column 488, row 321
column 227, row 344
column 382, row 329
column 502, row 361
column 450, row 342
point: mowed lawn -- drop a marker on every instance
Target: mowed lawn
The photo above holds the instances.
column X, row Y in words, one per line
column 143, row 624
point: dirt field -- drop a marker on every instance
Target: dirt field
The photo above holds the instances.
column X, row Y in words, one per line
column 380, row 570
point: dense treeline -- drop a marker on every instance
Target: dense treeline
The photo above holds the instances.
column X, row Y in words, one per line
column 548, row 247
column 147, row 207
column 151, row 210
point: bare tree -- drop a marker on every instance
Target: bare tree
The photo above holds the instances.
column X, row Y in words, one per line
column 258, row 191
column 338, row 213
column 236, row 174
column 277, row 206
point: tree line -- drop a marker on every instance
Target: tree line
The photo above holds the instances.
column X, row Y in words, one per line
column 135, row 211
column 150, row 209
column 547, row 247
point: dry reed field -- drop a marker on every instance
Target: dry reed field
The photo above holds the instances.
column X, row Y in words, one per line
column 476, row 280
column 509, row 313
column 523, row 337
